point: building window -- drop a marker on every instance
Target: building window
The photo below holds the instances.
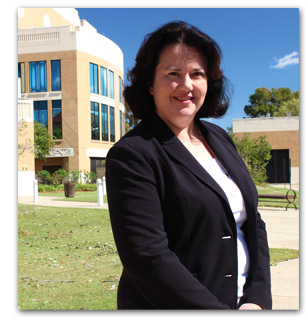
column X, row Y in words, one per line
column 94, row 121
column 120, row 90
column 93, row 78
column 103, row 81
column 21, row 75
column 111, row 84
column 98, row 166
column 112, row 127
column 40, row 112
column 104, row 113
column 38, row 78
column 57, row 119
column 122, row 123
column 55, row 75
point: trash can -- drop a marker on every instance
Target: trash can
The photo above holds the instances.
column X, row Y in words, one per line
column 69, row 189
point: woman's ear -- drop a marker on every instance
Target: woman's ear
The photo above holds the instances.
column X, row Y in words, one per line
column 151, row 90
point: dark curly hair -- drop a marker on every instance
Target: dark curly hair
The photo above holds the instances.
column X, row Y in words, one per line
column 137, row 96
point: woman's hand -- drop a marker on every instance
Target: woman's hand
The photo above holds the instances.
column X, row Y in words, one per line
column 250, row 306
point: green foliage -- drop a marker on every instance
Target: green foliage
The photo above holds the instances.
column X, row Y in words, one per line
column 60, row 187
column 291, row 106
column 256, row 155
column 90, row 177
column 45, row 176
column 42, row 141
column 59, row 175
column 50, row 187
column 74, row 176
column 265, row 101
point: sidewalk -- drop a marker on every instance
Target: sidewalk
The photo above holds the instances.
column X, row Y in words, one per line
column 283, row 232
column 53, row 201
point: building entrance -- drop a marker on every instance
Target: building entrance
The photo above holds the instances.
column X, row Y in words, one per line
column 278, row 168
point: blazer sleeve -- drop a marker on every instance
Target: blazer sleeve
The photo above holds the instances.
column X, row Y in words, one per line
column 138, row 228
column 260, row 290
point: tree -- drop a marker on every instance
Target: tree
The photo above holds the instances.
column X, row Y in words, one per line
column 130, row 121
column 27, row 144
column 265, row 101
column 291, row 106
column 256, row 154
column 42, row 141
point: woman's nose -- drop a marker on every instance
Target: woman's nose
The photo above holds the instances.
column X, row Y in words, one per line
column 186, row 82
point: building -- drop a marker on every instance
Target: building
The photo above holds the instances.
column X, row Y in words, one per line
column 282, row 133
column 26, row 170
column 74, row 76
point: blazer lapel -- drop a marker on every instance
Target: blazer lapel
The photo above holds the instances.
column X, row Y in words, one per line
column 177, row 151
column 231, row 161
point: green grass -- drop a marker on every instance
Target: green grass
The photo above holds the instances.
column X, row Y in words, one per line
column 275, row 202
column 80, row 196
column 281, row 255
column 67, row 259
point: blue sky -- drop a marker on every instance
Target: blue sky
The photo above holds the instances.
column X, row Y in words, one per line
column 260, row 46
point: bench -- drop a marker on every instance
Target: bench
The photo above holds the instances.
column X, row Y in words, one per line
column 290, row 196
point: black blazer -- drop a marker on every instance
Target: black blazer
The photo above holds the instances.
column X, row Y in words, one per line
column 169, row 219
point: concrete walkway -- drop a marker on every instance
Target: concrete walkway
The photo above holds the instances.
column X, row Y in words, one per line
column 283, row 232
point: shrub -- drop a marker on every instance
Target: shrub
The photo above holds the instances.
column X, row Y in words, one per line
column 44, row 176
column 60, row 175
column 90, row 176
column 74, row 176
column 256, row 154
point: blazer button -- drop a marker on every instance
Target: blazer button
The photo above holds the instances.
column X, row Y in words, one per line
column 228, row 275
column 226, row 237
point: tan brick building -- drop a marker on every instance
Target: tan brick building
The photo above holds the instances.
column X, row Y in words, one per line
column 282, row 133
column 74, row 76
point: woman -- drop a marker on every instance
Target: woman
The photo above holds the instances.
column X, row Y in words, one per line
column 183, row 207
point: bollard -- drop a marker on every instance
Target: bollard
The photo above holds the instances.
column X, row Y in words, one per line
column 100, row 192
column 104, row 186
column 35, row 191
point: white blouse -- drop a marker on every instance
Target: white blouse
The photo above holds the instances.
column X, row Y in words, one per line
column 235, row 198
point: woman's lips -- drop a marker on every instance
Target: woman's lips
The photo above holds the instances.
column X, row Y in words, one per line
column 184, row 99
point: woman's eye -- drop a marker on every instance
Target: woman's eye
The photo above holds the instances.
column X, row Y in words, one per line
column 173, row 74
column 198, row 74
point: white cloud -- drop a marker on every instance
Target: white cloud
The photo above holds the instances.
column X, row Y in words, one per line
column 291, row 59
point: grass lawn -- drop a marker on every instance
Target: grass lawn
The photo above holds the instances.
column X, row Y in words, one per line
column 67, row 259
column 275, row 202
column 80, row 196
column 91, row 196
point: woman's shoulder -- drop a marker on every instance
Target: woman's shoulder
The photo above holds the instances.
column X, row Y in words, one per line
column 137, row 139
column 214, row 128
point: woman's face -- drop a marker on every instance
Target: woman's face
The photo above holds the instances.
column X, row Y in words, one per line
column 180, row 84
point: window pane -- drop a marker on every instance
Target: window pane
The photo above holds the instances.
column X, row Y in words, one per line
column 57, row 119
column 38, row 79
column 120, row 90
column 112, row 129
column 103, row 81
column 93, row 78
column 21, row 75
column 55, row 75
column 111, row 84
column 104, row 122
column 40, row 112
column 94, row 121
column 121, row 120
